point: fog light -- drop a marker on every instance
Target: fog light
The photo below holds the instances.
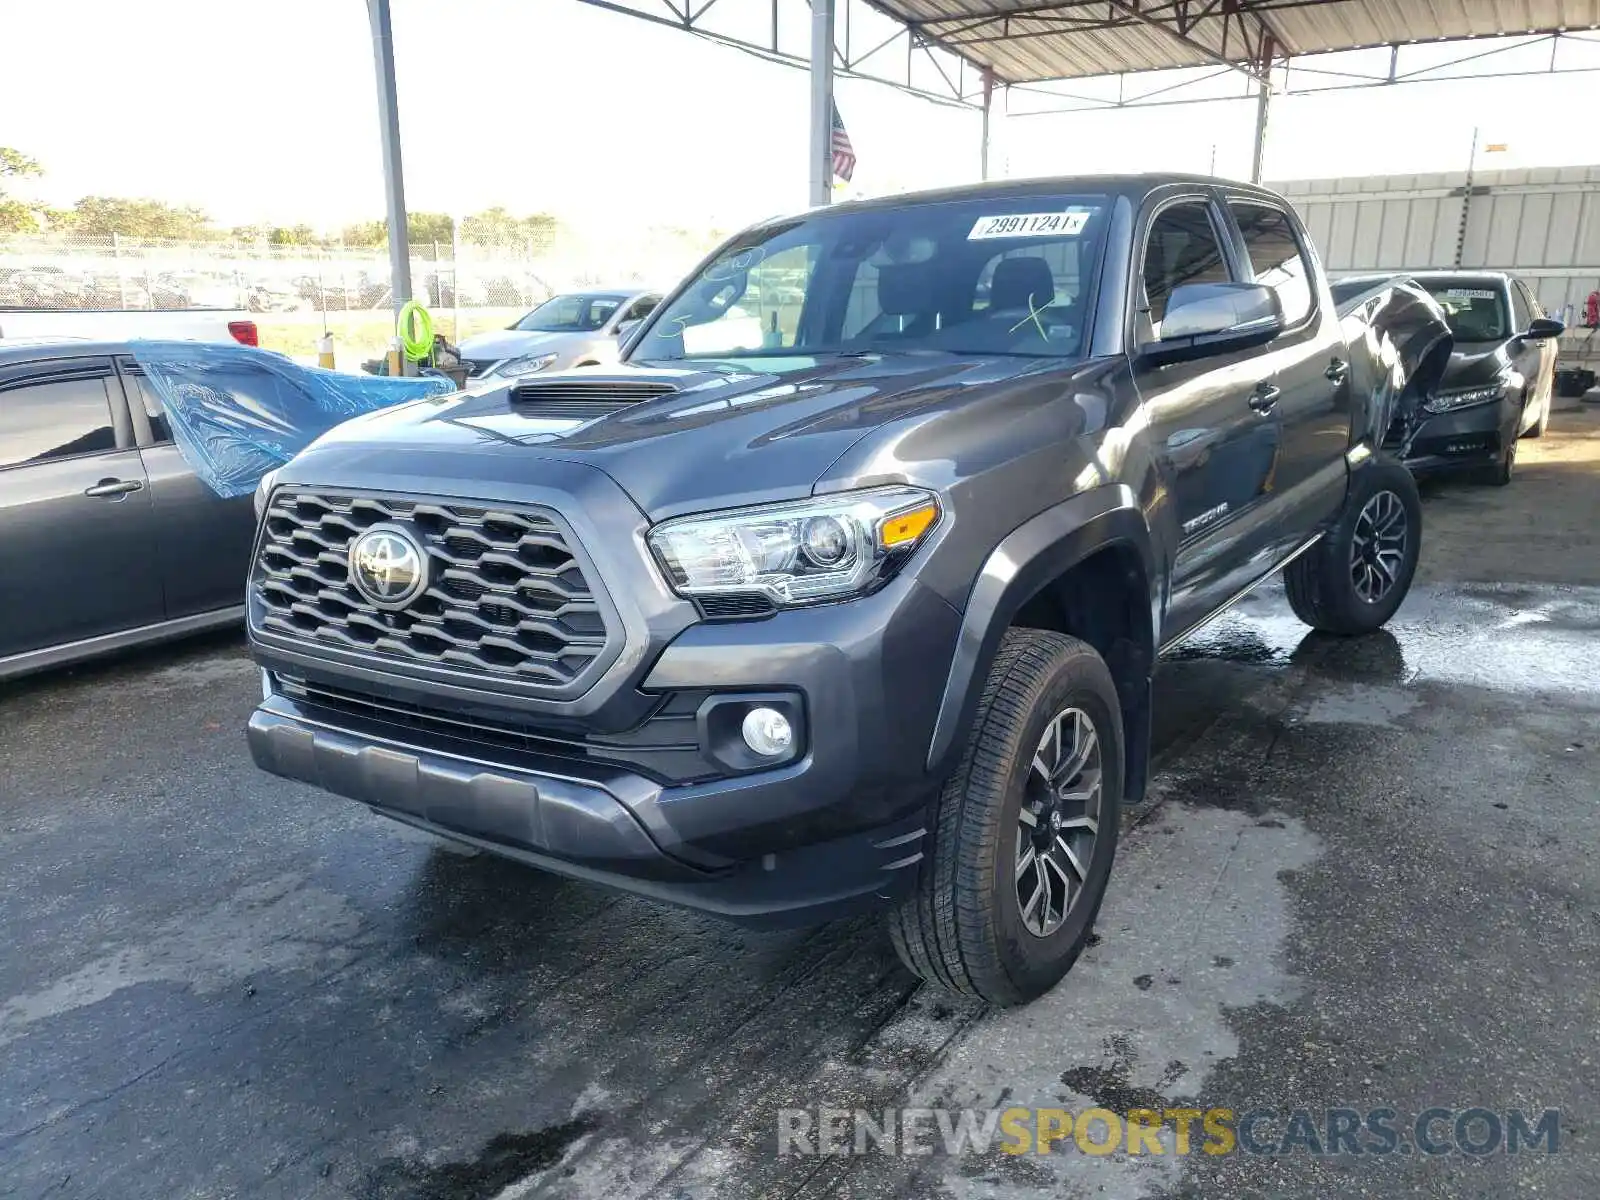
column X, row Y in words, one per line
column 767, row 732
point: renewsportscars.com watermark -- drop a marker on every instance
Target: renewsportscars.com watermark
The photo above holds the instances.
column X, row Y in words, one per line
column 1168, row 1131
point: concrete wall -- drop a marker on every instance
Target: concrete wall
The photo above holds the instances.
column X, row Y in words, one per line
column 1543, row 224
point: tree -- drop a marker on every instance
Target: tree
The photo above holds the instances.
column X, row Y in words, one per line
column 15, row 215
column 103, row 216
column 497, row 227
column 424, row 227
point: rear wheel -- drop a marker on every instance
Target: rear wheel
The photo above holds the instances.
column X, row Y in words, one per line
column 1024, row 831
column 1353, row 580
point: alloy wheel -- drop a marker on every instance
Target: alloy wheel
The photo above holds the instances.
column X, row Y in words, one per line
column 1058, row 822
column 1378, row 546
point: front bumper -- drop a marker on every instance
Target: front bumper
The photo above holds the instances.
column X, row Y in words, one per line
column 839, row 827
column 1467, row 437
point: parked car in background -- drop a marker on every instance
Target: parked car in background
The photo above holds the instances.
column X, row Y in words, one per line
column 107, row 536
column 49, row 286
column 572, row 330
column 272, row 295
column 184, row 324
column 1498, row 385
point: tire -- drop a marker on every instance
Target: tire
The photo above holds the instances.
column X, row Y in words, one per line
column 1543, row 423
column 1499, row 472
column 1323, row 583
column 964, row 926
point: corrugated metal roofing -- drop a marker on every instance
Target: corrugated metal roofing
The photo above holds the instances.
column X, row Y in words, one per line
column 1025, row 41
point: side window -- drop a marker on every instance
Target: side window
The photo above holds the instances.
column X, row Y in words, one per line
column 1532, row 298
column 1182, row 247
column 756, row 305
column 1521, row 317
column 54, row 419
column 1276, row 259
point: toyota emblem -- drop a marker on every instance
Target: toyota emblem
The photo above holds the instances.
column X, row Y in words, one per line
column 388, row 566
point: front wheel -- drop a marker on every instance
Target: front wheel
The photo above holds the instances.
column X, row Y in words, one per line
column 1499, row 472
column 1024, row 831
column 1352, row 581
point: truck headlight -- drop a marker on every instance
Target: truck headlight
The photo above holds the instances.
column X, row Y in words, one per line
column 1466, row 398
column 525, row 365
column 799, row 552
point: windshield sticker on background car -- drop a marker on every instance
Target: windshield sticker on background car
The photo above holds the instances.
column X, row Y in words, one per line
column 1056, row 224
column 1470, row 293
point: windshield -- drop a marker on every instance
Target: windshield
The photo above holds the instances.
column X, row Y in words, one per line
column 1009, row 275
column 1475, row 309
column 576, row 313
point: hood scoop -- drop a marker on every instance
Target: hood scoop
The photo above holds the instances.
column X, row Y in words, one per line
column 583, row 399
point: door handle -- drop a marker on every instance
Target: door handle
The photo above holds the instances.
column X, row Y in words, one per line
column 114, row 487
column 1264, row 397
column 1338, row 371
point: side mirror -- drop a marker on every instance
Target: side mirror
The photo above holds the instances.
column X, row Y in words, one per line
column 1544, row 327
column 1213, row 318
column 627, row 327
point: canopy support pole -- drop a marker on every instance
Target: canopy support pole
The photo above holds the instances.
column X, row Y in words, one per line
column 1263, row 107
column 821, row 101
column 988, row 101
column 393, row 175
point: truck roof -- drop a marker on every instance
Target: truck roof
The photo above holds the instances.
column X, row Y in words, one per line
column 26, row 349
column 1134, row 186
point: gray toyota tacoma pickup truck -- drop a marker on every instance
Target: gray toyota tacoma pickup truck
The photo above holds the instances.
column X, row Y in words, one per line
column 846, row 586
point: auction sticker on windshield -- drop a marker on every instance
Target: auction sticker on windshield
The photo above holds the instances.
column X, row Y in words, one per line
column 1057, row 224
column 1470, row 294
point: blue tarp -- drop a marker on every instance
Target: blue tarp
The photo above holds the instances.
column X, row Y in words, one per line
column 238, row 412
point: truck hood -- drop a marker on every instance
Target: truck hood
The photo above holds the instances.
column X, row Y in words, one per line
column 725, row 436
column 508, row 343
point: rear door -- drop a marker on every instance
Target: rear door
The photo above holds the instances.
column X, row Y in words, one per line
column 1305, row 366
column 202, row 542
column 76, row 532
column 1218, row 451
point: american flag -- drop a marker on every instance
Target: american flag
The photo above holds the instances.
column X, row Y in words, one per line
column 844, row 154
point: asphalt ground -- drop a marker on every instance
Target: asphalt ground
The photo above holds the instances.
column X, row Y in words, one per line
column 1366, row 880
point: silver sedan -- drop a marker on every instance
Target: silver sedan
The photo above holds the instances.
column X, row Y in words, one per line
column 571, row 330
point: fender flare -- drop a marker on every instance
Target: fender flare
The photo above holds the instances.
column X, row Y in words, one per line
column 1026, row 561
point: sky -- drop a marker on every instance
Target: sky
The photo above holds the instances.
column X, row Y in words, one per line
column 261, row 112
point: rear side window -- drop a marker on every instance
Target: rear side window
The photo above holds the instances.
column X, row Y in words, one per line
column 1276, row 260
column 52, row 419
column 1182, row 248
column 140, row 392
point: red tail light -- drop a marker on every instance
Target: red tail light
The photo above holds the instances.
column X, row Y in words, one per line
column 244, row 332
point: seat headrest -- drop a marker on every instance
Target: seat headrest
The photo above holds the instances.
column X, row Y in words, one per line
column 1021, row 283
column 905, row 288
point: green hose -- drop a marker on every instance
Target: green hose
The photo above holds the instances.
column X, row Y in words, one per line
column 414, row 328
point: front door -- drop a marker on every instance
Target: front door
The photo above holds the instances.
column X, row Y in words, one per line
column 1533, row 358
column 76, row 535
column 1218, row 448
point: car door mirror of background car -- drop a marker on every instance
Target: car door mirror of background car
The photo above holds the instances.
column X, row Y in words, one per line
column 1212, row 318
column 1544, row 327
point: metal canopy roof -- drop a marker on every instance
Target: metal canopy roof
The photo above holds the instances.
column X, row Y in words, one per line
column 1030, row 41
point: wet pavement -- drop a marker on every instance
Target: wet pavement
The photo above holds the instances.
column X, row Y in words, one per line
column 1366, row 878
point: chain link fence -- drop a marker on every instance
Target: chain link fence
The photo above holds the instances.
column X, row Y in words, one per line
column 297, row 293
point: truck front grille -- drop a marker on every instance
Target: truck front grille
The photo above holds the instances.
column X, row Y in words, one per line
column 506, row 596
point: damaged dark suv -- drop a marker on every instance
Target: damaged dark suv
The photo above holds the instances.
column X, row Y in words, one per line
column 847, row 586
